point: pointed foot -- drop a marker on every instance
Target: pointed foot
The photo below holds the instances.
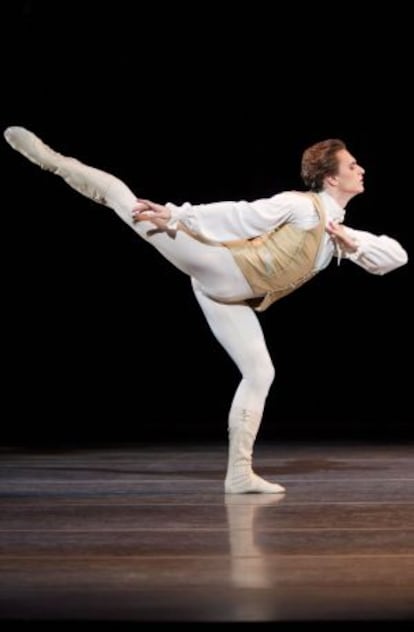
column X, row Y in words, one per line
column 32, row 147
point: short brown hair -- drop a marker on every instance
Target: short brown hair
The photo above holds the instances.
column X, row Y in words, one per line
column 320, row 160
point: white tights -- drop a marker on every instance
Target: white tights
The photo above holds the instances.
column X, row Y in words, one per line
column 216, row 279
column 238, row 330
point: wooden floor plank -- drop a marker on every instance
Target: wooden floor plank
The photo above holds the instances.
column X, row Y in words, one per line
column 145, row 533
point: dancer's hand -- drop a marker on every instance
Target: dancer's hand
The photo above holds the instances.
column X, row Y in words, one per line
column 147, row 211
column 340, row 236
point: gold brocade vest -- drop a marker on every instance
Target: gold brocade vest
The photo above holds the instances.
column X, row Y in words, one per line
column 277, row 263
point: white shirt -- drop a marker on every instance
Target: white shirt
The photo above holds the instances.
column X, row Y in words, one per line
column 225, row 221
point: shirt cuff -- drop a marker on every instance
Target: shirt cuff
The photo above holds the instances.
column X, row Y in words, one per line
column 177, row 213
column 354, row 256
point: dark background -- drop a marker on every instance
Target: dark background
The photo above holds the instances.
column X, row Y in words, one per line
column 102, row 339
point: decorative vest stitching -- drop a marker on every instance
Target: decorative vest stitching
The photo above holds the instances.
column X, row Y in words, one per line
column 278, row 262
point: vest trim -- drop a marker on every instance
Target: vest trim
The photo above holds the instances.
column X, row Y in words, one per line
column 280, row 261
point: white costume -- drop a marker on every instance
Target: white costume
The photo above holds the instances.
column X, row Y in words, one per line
column 218, row 283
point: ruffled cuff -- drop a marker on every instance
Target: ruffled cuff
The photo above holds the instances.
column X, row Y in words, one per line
column 354, row 256
column 177, row 214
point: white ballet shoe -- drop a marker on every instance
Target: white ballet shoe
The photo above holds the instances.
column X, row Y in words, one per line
column 240, row 477
column 245, row 481
column 34, row 149
column 91, row 182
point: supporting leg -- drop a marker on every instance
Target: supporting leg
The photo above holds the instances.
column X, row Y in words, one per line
column 238, row 330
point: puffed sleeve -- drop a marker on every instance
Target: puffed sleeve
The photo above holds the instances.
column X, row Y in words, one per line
column 377, row 254
column 224, row 221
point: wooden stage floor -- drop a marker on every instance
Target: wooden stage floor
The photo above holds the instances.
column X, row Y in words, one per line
column 144, row 533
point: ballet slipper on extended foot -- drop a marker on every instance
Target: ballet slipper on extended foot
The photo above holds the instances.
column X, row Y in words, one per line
column 240, row 478
column 88, row 181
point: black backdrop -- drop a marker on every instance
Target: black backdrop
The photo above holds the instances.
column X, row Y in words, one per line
column 103, row 340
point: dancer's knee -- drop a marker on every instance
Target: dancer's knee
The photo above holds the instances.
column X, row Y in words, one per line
column 260, row 375
column 265, row 375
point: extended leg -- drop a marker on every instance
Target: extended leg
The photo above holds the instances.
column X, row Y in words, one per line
column 213, row 266
column 238, row 330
